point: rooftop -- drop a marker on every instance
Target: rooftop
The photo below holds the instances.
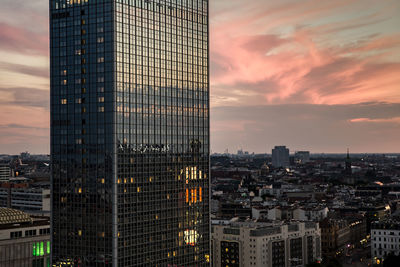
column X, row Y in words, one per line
column 11, row 216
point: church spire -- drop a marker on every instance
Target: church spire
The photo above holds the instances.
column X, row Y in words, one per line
column 348, row 163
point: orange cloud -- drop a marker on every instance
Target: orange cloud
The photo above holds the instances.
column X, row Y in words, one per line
column 369, row 120
column 304, row 58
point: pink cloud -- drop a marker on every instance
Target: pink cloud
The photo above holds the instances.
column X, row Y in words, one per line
column 302, row 66
column 20, row 40
column 369, row 120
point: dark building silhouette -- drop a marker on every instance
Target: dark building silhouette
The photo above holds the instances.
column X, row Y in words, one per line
column 348, row 164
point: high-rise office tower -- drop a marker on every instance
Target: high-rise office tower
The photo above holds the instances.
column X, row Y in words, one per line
column 130, row 132
column 280, row 156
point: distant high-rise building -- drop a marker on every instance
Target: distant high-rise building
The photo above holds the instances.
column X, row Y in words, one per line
column 302, row 157
column 280, row 156
column 130, row 132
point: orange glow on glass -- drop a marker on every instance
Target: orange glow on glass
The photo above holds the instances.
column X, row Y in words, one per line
column 187, row 195
column 200, row 195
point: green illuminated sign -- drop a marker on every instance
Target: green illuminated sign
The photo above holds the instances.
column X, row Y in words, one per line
column 37, row 248
column 48, row 247
column 41, row 248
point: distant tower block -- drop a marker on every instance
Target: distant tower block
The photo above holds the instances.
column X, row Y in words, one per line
column 280, row 156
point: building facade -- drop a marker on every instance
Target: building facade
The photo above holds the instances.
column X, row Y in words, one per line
column 280, row 156
column 26, row 199
column 24, row 240
column 242, row 244
column 130, row 132
column 4, row 172
column 385, row 239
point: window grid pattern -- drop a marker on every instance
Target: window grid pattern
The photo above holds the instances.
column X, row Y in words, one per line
column 82, row 143
column 130, row 106
column 162, row 133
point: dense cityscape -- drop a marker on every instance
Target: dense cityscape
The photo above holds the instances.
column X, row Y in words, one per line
column 276, row 209
column 113, row 114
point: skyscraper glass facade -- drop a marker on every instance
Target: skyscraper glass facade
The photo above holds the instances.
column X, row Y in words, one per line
column 130, row 132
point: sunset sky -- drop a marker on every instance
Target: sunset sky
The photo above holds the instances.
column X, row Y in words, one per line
column 312, row 75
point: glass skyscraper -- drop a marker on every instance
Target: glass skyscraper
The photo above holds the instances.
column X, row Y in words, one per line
column 130, row 132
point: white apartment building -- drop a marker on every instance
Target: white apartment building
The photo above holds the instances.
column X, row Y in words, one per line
column 254, row 244
column 385, row 239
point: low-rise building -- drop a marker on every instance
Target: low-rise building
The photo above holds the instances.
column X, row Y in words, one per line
column 335, row 235
column 24, row 240
column 310, row 214
column 4, row 172
column 26, row 199
column 385, row 239
column 242, row 244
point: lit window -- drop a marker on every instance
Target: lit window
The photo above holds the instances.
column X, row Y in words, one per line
column 200, row 195
column 100, row 59
column 63, row 101
column 101, row 99
column 101, row 109
column 100, row 39
column 191, row 237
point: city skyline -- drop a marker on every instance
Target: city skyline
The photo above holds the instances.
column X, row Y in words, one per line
column 310, row 75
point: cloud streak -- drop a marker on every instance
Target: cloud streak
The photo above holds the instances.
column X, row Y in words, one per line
column 313, row 61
